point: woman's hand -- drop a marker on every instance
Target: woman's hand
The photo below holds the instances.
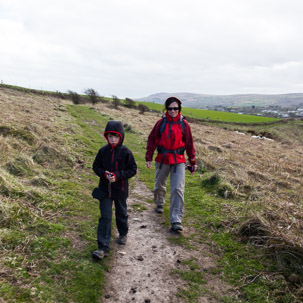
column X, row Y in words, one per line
column 148, row 164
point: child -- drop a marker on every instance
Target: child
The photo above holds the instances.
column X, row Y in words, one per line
column 114, row 164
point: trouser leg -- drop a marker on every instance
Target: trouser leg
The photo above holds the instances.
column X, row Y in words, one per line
column 177, row 184
column 121, row 216
column 105, row 224
column 160, row 183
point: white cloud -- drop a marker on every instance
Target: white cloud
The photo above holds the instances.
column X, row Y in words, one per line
column 135, row 48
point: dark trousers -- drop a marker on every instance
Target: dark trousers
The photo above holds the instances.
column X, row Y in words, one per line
column 105, row 221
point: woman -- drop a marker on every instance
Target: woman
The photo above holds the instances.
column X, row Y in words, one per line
column 171, row 136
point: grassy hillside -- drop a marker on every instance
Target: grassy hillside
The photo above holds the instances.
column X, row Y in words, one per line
column 47, row 226
column 245, row 203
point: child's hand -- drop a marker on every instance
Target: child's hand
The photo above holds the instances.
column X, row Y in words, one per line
column 111, row 177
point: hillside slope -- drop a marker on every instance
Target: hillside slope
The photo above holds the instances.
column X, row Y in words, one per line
column 246, row 190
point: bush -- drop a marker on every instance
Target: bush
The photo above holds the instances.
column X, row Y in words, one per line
column 116, row 101
column 143, row 108
column 92, row 95
column 59, row 95
column 74, row 96
column 212, row 180
column 130, row 103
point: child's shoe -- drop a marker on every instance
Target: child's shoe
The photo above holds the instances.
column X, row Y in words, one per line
column 159, row 209
column 122, row 240
column 99, row 254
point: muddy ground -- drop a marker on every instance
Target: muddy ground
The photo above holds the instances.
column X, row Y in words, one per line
column 142, row 270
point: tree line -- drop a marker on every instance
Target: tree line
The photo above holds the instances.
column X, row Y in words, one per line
column 92, row 96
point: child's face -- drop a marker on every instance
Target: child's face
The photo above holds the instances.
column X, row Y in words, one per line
column 113, row 139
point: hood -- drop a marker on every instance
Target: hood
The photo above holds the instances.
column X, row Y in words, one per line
column 171, row 100
column 113, row 126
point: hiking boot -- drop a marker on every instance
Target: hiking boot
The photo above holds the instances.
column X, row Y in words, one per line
column 176, row 226
column 122, row 240
column 99, row 254
column 159, row 209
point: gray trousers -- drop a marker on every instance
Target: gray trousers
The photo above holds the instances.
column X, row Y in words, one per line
column 177, row 184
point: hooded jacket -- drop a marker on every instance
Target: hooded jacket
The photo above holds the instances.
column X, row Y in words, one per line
column 171, row 139
column 118, row 160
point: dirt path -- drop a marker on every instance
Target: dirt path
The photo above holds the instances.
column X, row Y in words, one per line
column 141, row 271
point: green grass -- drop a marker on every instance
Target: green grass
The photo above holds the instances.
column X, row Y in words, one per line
column 243, row 266
column 194, row 277
column 212, row 115
column 56, row 226
column 48, row 243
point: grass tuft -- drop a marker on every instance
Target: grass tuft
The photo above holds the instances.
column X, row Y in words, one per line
column 23, row 134
column 50, row 157
column 21, row 166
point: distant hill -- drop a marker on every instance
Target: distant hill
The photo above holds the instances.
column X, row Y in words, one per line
column 208, row 101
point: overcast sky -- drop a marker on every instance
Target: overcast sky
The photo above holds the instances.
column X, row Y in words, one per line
column 135, row 48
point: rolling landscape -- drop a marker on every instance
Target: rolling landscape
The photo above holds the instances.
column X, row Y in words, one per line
column 240, row 100
column 242, row 238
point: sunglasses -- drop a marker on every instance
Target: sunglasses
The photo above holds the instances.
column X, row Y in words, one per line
column 173, row 108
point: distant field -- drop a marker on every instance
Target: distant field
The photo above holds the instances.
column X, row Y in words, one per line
column 186, row 111
column 214, row 115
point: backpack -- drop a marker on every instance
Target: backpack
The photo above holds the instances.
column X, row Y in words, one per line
column 163, row 125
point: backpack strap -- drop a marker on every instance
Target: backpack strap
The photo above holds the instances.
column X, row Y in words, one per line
column 164, row 122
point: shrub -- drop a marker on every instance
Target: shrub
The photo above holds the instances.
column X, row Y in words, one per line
column 116, row 101
column 92, row 95
column 74, row 96
column 212, row 180
column 143, row 108
column 130, row 103
column 59, row 95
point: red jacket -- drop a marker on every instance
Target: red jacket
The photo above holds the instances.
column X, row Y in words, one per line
column 173, row 142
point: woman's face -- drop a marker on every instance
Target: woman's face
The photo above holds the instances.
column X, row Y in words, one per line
column 173, row 109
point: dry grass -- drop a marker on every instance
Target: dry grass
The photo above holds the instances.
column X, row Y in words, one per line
column 27, row 124
column 268, row 174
